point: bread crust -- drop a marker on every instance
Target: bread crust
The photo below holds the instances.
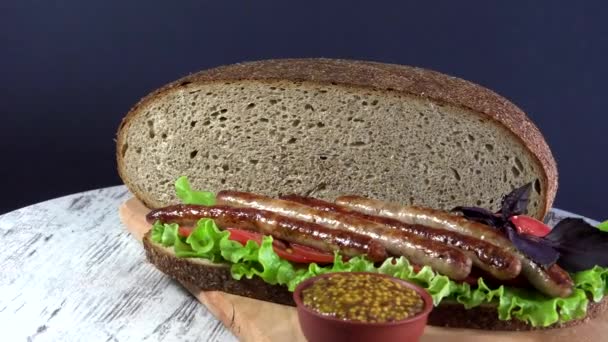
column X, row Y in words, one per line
column 210, row 277
column 406, row 80
column 486, row 318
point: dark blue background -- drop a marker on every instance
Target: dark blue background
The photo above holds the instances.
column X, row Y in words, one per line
column 69, row 71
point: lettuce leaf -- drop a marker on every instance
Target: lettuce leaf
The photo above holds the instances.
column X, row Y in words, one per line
column 253, row 260
column 537, row 309
column 189, row 196
column 603, row 226
column 593, row 281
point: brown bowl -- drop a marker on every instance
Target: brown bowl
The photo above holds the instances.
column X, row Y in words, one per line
column 320, row 328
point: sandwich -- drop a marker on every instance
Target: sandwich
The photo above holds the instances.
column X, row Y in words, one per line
column 498, row 271
column 319, row 166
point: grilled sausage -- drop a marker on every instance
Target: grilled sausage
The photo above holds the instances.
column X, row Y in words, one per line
column 427, row 217
column 268, row 223
column 443, row 259
column 497, row 261
column 554, row 281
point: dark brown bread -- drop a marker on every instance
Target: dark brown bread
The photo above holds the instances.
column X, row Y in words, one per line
column 197, row 102
column 212, row 277
column 216, row 277
column 486, row 317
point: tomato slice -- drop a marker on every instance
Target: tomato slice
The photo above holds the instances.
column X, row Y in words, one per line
column 289, row 255
column 295, row 253
column 185, row 231
column 529, row 225
column 312, row 254
column 242, row 236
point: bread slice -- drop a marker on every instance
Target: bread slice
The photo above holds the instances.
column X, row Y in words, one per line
column 208, row 276
column 216, row 277
column 327, row 127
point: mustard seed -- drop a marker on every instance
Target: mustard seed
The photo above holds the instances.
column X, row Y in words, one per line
column 362, row 297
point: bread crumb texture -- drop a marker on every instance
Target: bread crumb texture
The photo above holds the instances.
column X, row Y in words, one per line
column 280, row 137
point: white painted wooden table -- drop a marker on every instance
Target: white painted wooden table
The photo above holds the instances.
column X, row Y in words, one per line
column 69, row 271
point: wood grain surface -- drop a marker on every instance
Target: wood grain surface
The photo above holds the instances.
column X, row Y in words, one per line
column 70, row 271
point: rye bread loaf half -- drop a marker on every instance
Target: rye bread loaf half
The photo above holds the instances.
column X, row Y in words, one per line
column 327, row 127
column 208, row 276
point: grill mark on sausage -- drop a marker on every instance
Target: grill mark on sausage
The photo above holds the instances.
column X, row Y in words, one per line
column 554, row 282
column 442, row 258
column 493, row 259
column 270, row 223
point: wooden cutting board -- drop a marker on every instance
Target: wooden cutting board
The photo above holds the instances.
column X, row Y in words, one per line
column 255, row 320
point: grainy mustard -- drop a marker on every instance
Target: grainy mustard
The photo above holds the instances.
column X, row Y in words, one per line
column 362, row 297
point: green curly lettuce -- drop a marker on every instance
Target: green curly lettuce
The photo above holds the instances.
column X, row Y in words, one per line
column 593, row 282
column 603, row 226
column 189, row 196
column 260, row 260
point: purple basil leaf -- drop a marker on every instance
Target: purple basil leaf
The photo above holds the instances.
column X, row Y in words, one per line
column 572, row 229
column 535, row 248
column 516, row 202
column 581, row 260
column 581, row 245
column 482, row 215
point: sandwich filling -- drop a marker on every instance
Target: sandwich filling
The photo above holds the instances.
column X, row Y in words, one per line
column 261, row 258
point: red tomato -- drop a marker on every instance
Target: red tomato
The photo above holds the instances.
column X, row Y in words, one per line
column 296, row 253
column 529, row 225
column 242, row 236
column 289, row 255
column 185, row 231
column 312, row 254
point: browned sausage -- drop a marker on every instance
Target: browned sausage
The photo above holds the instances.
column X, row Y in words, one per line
column 554, row 282
column 497, row 261
column 443, row 259
column 268, row 223
column 427, row 217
